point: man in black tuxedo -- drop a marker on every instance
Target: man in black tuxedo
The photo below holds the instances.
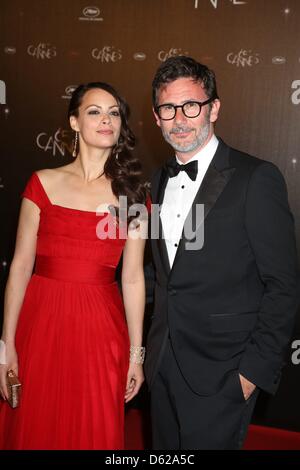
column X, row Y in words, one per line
column 225, row 292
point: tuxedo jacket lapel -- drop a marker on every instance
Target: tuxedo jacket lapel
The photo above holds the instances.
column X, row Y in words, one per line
column 164, row 178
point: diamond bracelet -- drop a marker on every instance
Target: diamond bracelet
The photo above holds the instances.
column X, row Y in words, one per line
column 137, row 354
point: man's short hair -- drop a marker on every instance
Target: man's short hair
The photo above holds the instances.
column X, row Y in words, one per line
column 184, row 67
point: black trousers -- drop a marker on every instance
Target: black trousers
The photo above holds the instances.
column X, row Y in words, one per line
column 182, row 419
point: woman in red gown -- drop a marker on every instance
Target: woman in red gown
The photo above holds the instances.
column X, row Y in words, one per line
column 66, row 334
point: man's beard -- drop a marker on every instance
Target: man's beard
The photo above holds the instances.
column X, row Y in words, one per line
column 183, row 147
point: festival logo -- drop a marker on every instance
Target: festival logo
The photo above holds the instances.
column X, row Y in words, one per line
column 42, row 51
column 10, row 50
column 278, row 60
column 139, row 56
column 91, row 14
column 60, row 143
column 215, row 3
column 69, row 91
column 244, row 58
column 172, row 52
column 107, row 54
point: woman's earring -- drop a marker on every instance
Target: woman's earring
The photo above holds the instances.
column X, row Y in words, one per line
column 74, row 153
column 117, row 156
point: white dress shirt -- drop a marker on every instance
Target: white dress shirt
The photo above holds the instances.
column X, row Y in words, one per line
column 179, row 195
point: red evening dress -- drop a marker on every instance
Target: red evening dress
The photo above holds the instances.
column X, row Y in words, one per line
column 72, row 339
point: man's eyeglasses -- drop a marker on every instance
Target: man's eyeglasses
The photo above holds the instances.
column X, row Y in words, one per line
column 190, row 109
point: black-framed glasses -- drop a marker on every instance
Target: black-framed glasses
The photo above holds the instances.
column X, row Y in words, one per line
column 190, row 109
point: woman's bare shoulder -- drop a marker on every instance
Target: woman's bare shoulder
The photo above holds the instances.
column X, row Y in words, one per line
column 49, row 176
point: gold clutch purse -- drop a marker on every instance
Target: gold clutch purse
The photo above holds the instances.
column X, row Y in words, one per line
column 14, row 389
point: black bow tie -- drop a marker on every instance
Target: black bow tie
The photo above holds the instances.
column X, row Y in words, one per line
column 191, row 168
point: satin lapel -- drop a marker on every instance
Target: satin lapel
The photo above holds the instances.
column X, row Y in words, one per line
column 210, row 189
column 161, row 244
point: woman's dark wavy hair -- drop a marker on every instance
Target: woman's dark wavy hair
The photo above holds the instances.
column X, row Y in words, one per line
column 124, row 171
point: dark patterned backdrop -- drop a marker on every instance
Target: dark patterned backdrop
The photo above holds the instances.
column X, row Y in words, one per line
column 47, row 47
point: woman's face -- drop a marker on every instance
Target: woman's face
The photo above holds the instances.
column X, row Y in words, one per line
column 99, row 119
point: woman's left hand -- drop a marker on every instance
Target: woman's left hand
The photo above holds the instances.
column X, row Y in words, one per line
column 135, row 378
